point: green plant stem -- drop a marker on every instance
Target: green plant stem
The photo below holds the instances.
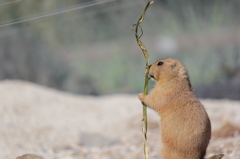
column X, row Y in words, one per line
column 145, row 112
column 146, row 55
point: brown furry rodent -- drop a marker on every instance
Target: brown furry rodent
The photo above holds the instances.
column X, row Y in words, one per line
column 29, row 156
column 185, row 126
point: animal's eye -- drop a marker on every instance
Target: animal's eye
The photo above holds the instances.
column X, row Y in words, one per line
column 160, row 63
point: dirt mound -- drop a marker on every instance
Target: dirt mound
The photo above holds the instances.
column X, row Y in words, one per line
column 53, row 124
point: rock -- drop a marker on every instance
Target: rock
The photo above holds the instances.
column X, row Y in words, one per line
column 29, row 156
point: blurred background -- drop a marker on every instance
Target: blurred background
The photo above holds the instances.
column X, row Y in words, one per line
column 88, row 46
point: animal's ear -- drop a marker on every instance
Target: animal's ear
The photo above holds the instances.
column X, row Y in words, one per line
column 174, row 65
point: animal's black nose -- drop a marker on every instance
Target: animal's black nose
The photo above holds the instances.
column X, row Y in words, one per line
column 149, row 66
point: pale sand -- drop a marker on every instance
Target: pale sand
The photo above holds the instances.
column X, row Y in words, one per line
column 58, row 125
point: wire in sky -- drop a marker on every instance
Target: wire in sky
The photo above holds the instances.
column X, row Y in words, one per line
column 112, row 8
column 58, row 12
column 9, row 2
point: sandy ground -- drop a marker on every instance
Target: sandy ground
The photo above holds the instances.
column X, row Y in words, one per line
column 58, row 125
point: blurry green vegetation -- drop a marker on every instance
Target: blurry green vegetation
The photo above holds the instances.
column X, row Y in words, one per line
column 92, row 50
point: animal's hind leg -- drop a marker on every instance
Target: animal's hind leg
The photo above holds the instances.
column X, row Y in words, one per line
column 168, row 153
column 172, row 153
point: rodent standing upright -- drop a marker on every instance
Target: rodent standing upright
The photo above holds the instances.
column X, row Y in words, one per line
column 185, row 125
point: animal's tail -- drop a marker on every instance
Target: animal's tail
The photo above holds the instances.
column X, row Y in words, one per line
column 216, row 156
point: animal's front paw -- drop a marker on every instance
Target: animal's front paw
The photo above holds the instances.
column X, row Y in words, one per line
column 141, row 96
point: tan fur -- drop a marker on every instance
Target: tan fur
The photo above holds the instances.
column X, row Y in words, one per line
column 29, row 156
column 185, row 126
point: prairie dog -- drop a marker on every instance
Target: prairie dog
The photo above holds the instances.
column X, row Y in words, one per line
column 29, row 156
column 185, row 125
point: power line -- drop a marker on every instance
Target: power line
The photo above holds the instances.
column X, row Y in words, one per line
column 58, row 12
column 9, row 2
column 109, row 9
